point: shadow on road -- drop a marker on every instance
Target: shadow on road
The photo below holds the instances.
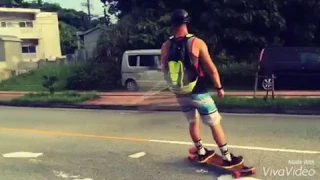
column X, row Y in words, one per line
column 195, row 168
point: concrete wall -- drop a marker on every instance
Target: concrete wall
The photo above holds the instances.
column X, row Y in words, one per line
column 10, row 49
column 90, row 41
column 49, row 43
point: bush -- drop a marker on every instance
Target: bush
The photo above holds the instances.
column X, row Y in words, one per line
column 92, row 76
column 238, row 74
column 235, row 75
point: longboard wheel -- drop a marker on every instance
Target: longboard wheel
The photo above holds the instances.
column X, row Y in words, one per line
column 192, row 157
column 192, row 150
column 237, row 174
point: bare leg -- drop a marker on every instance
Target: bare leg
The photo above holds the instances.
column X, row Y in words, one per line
column 220, row 139
column 194, row 130
column 218, row 135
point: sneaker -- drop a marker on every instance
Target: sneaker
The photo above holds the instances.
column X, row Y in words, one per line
column 235, row 160
column 206, row 156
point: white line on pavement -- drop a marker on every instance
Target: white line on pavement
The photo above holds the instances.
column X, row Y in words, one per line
column 272, row 115
column 137, row 155
column 22, row 155
column 241, row 147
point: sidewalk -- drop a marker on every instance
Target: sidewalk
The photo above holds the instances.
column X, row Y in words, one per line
column 163, row 102
column 167, row 99
column 158, row 99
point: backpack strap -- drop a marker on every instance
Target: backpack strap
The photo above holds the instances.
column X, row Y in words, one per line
column 193, row 60
column 189, row 40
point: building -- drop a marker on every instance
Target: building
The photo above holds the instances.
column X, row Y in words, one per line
column 38, row 32
column 90, row 39
column 10, row 55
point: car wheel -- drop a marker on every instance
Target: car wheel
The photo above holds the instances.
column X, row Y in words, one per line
column 267, row 84
column 131, row 85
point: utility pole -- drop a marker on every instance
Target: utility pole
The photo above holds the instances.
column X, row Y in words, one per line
column 88, row 6
column 89, row 9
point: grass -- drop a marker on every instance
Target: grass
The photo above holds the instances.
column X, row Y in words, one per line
column 278, row 102
column 32, row 81
column 65, row 97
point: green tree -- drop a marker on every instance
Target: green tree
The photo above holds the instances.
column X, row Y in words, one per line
column 10, row 3
column 68, row 39
column 233, row 30
column 302, row 20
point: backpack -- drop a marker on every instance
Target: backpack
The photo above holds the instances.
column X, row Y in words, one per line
column 180, row 73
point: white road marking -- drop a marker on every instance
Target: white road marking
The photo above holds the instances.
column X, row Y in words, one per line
column 137, row 155
column 22, row 155
column 241, row 147
column 229, row 177
column 272, row 115
column 232, row 114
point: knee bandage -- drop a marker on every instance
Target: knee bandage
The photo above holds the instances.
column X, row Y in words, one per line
column 211, row 119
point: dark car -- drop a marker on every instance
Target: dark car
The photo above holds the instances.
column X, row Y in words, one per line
column 293, row 67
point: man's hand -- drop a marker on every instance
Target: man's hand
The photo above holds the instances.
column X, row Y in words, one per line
column 220, row 93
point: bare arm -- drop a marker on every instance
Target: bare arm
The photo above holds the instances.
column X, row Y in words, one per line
column 208, row 64
column 163, row 55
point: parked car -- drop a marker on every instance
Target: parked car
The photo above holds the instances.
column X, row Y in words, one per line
column 141, row 69
column 292, row 66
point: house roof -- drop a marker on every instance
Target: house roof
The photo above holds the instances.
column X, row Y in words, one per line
column 101, row 27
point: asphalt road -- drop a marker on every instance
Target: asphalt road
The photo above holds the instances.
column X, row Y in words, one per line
column 89, row 144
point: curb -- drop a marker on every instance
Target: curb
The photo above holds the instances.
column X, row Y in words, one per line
column 223, row 109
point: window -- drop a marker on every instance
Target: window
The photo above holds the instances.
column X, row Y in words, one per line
column 28, row 49
column 133, row 60
column 9, row 24
column 3, row 24
column 6, row 24
column 310, row 57
column 147, row 61
column 29, row 24
column 26, row 24
column 22, row 24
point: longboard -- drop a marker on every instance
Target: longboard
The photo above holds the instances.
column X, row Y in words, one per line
column 237, row 171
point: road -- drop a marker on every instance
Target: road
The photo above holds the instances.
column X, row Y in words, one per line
column 96, row 145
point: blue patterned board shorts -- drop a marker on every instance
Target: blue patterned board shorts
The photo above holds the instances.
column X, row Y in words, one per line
column 202, row 105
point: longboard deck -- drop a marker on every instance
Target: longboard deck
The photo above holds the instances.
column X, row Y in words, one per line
column 217, row 161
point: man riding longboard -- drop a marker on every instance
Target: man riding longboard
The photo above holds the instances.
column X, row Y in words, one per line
column 181, row 56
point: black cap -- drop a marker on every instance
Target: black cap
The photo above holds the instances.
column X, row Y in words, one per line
column 180, row 16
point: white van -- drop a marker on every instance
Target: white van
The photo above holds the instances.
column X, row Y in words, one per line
column 141, row 69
